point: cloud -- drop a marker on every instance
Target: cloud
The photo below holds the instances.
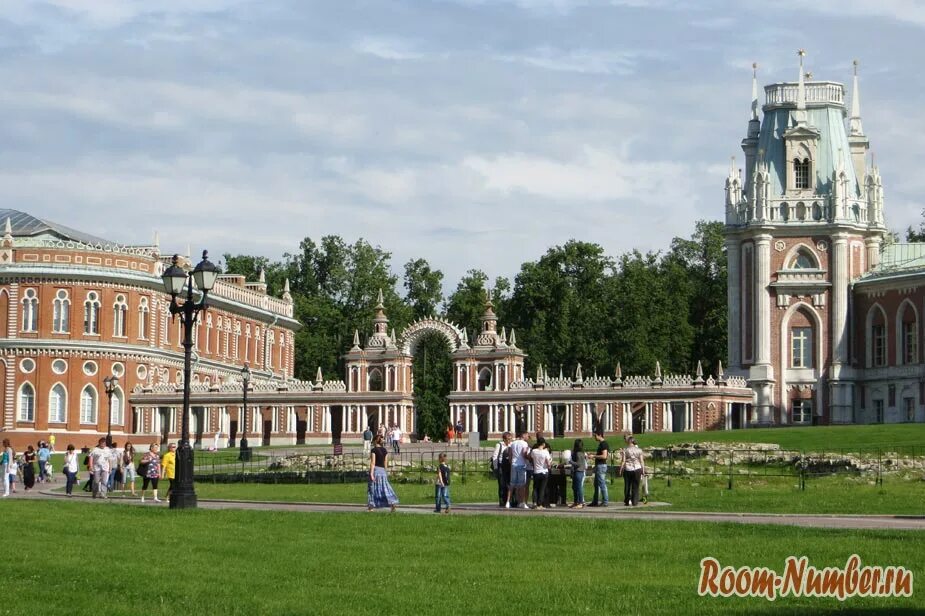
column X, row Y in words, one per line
column 387, row 48
column 599, row 62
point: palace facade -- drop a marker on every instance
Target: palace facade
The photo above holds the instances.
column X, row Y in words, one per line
column 76, row 309
column 823, row 320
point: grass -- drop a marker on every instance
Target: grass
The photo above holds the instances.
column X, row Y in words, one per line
column 252, row 562
column 813, row 438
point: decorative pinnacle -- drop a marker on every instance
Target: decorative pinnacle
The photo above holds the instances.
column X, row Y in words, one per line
column 379, row 301
column 8, row 227
column 754, row 90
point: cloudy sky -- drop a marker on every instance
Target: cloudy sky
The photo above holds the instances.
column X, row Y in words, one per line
column 474, row 133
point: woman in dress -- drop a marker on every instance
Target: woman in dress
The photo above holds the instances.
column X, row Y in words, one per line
column 71, row 466
column 128, row 468
column 379, row 492
column 151, row 465
column 28, row 468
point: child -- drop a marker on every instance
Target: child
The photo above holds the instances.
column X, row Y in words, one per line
column 442, row 487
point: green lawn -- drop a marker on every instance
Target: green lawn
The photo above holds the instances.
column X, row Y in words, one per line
column 814, row 438
column 252, row 562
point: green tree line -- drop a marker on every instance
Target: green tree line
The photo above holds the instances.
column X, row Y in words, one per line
column 575, row 304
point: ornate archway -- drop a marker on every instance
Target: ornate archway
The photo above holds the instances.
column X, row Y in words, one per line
column 413, row 334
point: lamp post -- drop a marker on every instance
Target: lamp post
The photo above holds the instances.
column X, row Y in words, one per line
column 110, row 382
column 183, row 496
column 245, row 454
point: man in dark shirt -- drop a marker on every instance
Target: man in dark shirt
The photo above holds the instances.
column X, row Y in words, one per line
column 599, row 458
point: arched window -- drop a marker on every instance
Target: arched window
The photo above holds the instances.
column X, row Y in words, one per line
column 876, row 332
column 61, row 310
column 208, row 331
column 26, row 403
column 88, row 405
column 119, row 310
column 117, row 407
column 57, row 404
column 801, row 173
column 30, row 311
column 92, row 313
column 247, row 341
column 143, row 318
column 485, row 379
column 803, row 259
column 909, row 330
column 271, row 339
column 375, row 380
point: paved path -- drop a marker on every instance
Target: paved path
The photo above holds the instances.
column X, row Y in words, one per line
column 648, row 512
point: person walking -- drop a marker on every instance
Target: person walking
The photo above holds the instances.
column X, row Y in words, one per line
column 169, row 467
column 51, row 443
column 599, row 457
column 442, row 487
column 632, row 467
column 379, row 492
column 7, row 467
column 128, row 468
column 518, row 485
column 541, row 464
column 501, row 458
column 44, row 455
column 101, row 463
column 28, row 468
column 396, row 440
column 71, row 466
column 367, row 441
column 88, row 487
column 579, row 466
column 150, row 470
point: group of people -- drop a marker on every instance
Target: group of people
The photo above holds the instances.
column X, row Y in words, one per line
column 391, row 436
column 23, row 466
column 455, row 432
column 109, row 468
column 518, row 463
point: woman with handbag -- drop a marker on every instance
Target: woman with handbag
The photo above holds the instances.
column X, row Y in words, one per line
column 150, row 470
column 28, row 468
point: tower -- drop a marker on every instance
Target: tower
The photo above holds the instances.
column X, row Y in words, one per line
column 806, row 221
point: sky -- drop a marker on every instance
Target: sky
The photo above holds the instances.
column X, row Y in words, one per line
column 473, row 133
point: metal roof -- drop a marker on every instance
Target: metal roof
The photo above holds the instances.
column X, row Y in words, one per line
column 27, row 225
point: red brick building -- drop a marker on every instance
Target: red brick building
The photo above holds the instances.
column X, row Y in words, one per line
column 75, row 309
column 824, row 331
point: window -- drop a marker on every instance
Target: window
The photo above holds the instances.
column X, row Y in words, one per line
column 909, row 408
column 92, row 314
column 878, row 411
column 119, row 309
column 803, row 260
column 88, row 405
column 891, row 395
column 802, row 411
column 375, row 380
column 57, row 404
column 878, row 342
column 26, row 403
column 801, row 173
column 910, row 337
column 61, row 309
column 801, row 347
column 117, row 408
column 143, row 318
column 30, row 311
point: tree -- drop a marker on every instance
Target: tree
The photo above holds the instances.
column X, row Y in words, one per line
column 433, row 379
column 423, row 287
column 466, row 305
column 559, row 307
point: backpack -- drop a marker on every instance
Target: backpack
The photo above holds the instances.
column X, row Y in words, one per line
column 507, row 458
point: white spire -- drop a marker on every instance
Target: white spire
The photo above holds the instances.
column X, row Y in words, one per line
column 8, row 227
column 754, row 90
column 855, row 121
column 800, row 114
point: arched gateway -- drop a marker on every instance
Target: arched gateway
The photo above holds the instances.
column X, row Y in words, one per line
column 381, row 370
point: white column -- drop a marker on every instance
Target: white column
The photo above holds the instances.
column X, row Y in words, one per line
column 762, row 373
column 733, row 303
column 873, row 252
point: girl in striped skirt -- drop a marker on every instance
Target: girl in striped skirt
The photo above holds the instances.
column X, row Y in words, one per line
column 379, row 492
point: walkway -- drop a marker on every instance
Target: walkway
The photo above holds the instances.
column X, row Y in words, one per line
column 618, row 511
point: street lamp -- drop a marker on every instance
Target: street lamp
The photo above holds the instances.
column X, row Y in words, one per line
column 245, row 454
column 183, row 496
column 111, row 382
